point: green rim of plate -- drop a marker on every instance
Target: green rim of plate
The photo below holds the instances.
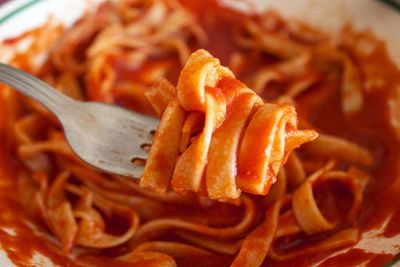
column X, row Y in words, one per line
column 394, row 4
column 393, row 261
column 18, row 10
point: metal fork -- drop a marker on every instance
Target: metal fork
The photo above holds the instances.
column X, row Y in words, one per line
column 105, row 136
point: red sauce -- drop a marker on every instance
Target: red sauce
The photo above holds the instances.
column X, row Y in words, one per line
column 371, row 130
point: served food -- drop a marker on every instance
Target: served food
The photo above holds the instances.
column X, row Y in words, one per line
column 331, row 195
column 241, row 143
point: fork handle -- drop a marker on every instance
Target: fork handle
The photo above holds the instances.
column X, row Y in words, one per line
column 34, row 88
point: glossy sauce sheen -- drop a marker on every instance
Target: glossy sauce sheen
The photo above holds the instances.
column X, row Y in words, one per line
column 382, row 194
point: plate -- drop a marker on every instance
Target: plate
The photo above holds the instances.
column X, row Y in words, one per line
column 382, row 17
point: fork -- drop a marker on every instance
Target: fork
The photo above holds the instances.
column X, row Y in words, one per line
column 108, row 137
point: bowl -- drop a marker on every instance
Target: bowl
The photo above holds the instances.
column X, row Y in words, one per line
column 381, row 17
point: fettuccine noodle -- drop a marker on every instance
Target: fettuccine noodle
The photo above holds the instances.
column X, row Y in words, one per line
column 231, row 112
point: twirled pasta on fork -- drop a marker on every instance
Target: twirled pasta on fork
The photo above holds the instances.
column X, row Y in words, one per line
column 216, row 136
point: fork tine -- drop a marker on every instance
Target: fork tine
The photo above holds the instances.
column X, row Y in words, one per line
column 141, row 154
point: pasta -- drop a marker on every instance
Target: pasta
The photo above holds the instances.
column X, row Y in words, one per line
column 205, row 86
column 230, row 180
